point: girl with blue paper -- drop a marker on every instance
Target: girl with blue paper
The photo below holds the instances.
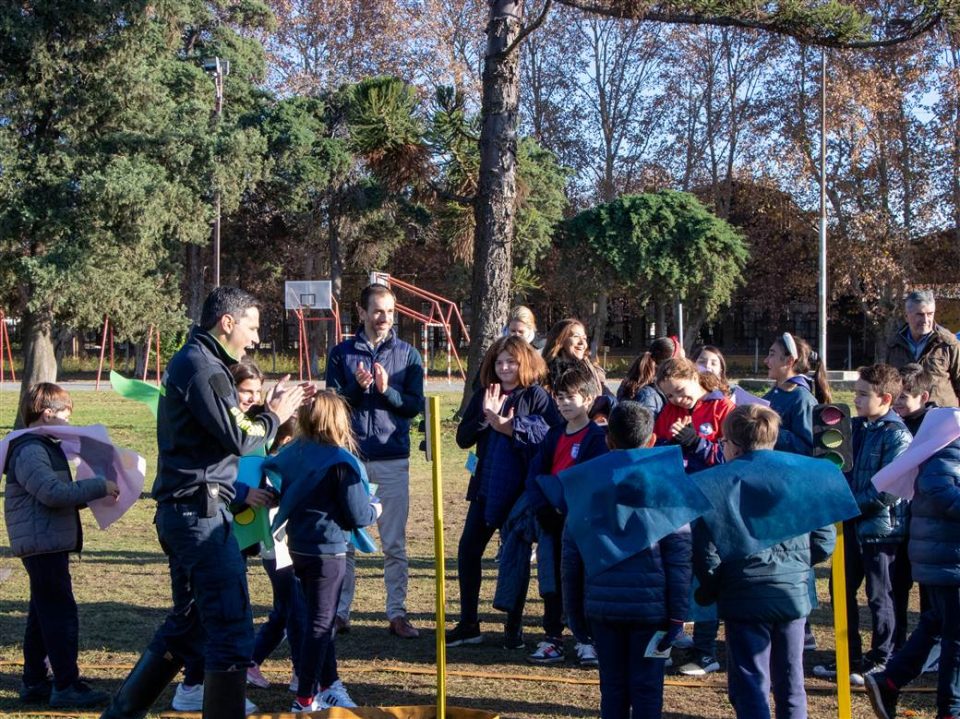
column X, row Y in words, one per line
column 323, row 498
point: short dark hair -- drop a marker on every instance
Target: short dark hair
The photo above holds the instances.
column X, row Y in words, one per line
column 751, row 427
column 225, row 301
column 882, row 378
column 629, row 425
column 374, row 290
column 576, row 378
column 916, row 380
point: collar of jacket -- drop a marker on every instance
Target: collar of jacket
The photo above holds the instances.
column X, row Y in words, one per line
column 208, row 342
column 890, row 417
column 939, row 334
column 361, row 340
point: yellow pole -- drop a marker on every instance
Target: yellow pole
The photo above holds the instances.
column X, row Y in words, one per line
column 840, row 627
column 433, row 440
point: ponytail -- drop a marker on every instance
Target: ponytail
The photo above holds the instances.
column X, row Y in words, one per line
column 807, row 360
column 821, row 386
column 644, row 368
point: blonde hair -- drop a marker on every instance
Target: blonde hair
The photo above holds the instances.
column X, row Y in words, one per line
column 522, row 313
column 327, row 420
column 752, row 427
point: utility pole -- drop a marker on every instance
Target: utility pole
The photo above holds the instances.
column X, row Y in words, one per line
column 822, row 314
column 219, row 69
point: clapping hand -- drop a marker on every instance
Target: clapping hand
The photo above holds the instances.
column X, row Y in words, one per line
column 284, row 401
column 363, row 376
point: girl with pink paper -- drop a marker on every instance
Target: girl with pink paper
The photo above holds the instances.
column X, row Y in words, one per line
column 41, row 510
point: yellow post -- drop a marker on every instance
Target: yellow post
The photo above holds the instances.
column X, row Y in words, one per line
column 433, row 443
column 840, row 627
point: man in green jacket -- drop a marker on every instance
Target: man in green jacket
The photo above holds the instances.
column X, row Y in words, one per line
column 935, row 348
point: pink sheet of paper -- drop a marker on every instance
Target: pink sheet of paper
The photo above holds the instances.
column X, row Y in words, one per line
column 92, row 454
column 939, row 428
column 741, row 396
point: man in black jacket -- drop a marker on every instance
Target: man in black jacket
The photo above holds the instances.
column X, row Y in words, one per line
column 201, row 433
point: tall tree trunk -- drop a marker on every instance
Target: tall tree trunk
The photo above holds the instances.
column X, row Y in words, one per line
column 494, row 206
column 39, row 358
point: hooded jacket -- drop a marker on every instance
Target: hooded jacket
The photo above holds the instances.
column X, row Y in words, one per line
column 883, row 516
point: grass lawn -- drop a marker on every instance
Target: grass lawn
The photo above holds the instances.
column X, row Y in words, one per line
column 121, row 585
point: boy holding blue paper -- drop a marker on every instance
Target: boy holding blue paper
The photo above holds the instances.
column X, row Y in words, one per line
column 753, row 556
column 636, row 607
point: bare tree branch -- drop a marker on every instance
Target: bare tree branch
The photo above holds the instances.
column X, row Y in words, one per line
column 530, row 28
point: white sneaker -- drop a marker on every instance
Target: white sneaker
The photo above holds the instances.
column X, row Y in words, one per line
column 336, row 695
column 190, row 699
column 316, row 705
column 586, row 655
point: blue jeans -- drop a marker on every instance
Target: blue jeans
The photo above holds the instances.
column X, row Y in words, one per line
column 211, row 620
column 941, row 622
column 53, row 626
column 288, row 615
column 321, row 578
column 627, row 678
column 761, row 655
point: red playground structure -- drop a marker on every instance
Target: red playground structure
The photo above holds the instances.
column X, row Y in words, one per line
column 442, row 313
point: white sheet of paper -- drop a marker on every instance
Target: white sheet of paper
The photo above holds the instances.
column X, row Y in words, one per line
column 651, row 652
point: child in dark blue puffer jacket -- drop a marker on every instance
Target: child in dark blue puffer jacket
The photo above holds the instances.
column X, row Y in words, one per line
column 324, row 495
column 629, row 602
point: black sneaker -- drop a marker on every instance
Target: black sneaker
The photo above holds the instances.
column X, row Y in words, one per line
column 36, row 693
column 464, row 634
column 513, row 637
column 883, row 695
column 78, row 694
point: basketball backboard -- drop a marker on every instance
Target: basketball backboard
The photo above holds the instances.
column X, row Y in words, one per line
column 307, row 295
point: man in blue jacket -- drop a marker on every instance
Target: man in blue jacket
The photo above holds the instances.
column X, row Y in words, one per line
column 201, row 433
column 381, row 376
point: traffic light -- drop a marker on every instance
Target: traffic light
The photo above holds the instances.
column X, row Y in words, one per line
column 832, row 438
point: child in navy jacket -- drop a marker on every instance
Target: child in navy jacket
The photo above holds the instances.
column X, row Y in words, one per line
column 577, row 440
column 626, row 604
column 506, row 421
column 323, row 496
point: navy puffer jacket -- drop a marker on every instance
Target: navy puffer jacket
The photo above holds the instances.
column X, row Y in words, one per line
column 934, row 546
column 649, row 588
column 769, row 586
column 883, row 517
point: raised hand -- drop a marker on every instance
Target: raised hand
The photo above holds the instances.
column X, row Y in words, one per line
column 284, row 402
column 381, row 380
column 363, row 376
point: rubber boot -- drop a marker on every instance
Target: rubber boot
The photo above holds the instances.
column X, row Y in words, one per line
column 146, row 681
column 225, row 694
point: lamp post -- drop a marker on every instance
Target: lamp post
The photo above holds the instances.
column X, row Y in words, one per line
column 219, row 69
